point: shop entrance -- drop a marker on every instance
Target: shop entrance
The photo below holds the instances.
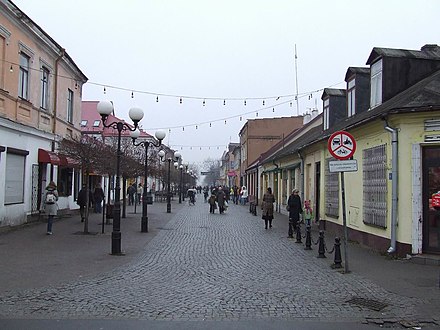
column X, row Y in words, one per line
column 431, row 201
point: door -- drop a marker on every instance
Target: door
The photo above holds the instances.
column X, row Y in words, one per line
column 431, row 212
column 317, row 189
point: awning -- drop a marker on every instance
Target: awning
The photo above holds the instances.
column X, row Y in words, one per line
column 68, row 162
column 50, row 157
column 2, row 148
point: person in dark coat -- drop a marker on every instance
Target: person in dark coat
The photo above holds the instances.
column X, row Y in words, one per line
column 221, row 197
column 50, row 205
column 212, row 204
column 131, row 191
column 98, row 197
column 82, row 201
column 267, row 207
column 294, row 206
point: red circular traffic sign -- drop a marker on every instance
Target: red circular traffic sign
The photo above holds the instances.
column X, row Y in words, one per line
column 341, row 145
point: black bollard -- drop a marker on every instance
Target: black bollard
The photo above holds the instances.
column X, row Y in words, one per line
column 321, row 248
column 298, row 233
column 308, row 238
column 338, row 257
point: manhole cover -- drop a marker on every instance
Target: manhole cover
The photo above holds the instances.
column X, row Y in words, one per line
column 369, row 303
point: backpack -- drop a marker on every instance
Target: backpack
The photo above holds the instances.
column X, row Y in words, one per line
column 50, row 198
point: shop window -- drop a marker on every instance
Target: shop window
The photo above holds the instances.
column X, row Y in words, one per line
column 64, row 181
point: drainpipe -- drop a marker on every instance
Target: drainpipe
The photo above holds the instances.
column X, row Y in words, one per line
column 302, row 175
column 394, row 169
column 278, row 181
column 55, row 105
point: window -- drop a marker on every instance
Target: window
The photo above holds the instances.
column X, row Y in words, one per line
column 96, row 123
column 44, row 88
column 14, row 177
column 376, row 84
column 375, row 186
column 83, row 123
column 326, row 113
column 23, row 87
column 331, row 191
column 64, row 181
column 351, row 98
column 70, row 106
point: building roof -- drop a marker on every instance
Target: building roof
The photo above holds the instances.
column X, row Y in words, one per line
column 421, row 97
column 333, row 92
column 91, row 122
column 35, row 28
column 428, row 52
column 356, row 70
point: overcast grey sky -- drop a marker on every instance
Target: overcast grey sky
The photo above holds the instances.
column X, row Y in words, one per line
column 232, row 50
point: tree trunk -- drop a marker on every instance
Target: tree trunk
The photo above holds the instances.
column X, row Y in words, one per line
column 86, row 219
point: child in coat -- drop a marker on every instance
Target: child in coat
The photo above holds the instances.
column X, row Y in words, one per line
column 308, row 213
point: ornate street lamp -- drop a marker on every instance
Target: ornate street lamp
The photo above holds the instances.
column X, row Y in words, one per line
column 184, row 182
column 160, row 135
column 176, row 156
column 180, row 186
column 105, row 108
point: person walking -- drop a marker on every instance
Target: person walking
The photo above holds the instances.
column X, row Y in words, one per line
column 50, row 204
column 212, row 204
column 83, row 202
column 140, row 189
column 267, row 207
column 243, row 195
column 295, row 209
column 131, row 190
column 221, row 199
column 236, row 191
column 98, row 197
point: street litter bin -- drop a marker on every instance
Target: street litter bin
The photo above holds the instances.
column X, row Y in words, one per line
column 149, row 198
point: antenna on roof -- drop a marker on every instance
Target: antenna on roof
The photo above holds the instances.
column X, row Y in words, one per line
column 296, row 80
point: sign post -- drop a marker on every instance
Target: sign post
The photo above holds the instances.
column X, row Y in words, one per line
column 342, row 146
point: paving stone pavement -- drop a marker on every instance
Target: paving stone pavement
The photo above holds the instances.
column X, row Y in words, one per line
column 217, row 267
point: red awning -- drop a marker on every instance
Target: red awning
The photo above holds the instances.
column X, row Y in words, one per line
column 68, row 162
column 50, row 157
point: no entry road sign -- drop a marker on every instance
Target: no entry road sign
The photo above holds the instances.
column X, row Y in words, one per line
column 341, row 145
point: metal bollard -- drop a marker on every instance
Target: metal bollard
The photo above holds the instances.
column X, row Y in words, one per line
column 298, row 233
column 338, row 257
column 308, row 238
column 321, row 248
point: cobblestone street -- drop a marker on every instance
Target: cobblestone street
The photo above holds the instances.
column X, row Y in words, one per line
column 215, row 267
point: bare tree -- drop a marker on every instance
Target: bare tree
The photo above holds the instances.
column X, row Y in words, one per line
column 91, row 155
column 212, row 169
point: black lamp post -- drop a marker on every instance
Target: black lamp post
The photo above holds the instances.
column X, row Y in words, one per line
column 105, row 108
column 184, row 182
column 160, row 135
column 170, row 159
column 180, row 186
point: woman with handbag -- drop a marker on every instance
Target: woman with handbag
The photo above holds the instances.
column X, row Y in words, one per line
column 267, row 207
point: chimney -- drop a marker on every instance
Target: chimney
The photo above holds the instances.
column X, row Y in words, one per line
column 307, row 117
column 431, row 48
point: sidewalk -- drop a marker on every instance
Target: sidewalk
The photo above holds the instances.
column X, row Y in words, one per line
column 404, row 277
column 32, row 259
